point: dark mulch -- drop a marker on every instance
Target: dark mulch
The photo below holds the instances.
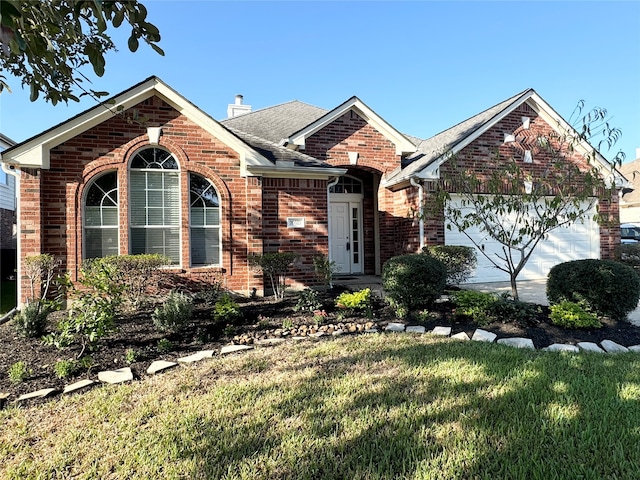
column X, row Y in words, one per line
column 136, row 333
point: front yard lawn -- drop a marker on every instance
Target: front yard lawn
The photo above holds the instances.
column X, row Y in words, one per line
column 376, row 406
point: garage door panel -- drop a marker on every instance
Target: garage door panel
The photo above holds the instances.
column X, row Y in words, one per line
column 573, row 242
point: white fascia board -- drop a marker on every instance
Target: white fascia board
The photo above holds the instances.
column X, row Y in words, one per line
column 314, row 173
column 35, row 153
column 403, row 145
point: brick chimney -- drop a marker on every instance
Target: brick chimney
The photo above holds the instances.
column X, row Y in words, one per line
column 237, row 108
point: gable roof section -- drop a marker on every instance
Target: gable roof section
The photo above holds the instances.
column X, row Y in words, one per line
column 35, row 151
column 277, row 122
column 631, row 170
column 402, row 143
column 431, row 153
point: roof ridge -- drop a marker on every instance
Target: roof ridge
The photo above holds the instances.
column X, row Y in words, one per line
column 270, row 107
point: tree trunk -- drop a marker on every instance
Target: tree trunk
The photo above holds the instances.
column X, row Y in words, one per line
column 514, row 287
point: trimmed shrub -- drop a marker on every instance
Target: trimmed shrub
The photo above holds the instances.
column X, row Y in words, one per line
column 629, row 254
column 507, row 309
column 174, row 313
column 606, row 287
column 413, row 281
column 460, row 261
column 475, row 305
column 31, row 320
column 572, row 315
column 226, row 310
column 276, row 266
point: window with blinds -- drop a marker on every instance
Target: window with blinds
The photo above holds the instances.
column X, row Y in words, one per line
column 204, row 215
column 154, row 204
column 101, row 217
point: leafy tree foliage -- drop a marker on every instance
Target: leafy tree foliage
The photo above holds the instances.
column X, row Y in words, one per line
column 517, row 206
column 46, row 43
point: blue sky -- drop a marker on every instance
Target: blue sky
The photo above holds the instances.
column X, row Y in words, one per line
column 423, row 66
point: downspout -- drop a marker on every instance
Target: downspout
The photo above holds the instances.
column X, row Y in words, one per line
column 11, row 170
column 420, row 208
column 330, row 184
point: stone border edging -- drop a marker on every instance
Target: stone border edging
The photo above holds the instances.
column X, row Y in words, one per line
column 125, row 374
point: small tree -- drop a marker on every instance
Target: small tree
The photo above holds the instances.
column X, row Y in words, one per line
column 517, row 205
column 276, row 266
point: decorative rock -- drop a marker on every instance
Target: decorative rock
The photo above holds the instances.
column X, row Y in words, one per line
column 116, row 376
column 3, row 399
column 517, row 342
column 461, row 336
column 590, row 347
column 415, row 329
column 335, row 333
column 561, row 347
column 74, row 387
column 196, row 357
column 613, row 347
column 38, row 394
column 634, row 348
column 159, row 366
column 318, row 334
column 269, row 341
column 483, row 336
column 371, row 330
column 443, row 331
column 394, row 327
column 233, row 349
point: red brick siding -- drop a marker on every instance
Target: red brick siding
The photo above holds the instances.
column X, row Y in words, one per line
column 480, row 156
column 376, row 156
column 287, row 197
column 7, row 221
column 51, row 199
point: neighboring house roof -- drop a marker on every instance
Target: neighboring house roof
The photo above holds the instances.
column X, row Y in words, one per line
column 277, row 122
column 5, row 141
column 631, row 171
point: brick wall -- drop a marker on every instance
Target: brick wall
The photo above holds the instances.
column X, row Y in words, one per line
column 376, row 157
column 481, row 156
column 51, row 200
column 287, row 197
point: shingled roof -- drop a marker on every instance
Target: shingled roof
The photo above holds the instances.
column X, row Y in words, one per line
column 277, row 122
column 433, row 148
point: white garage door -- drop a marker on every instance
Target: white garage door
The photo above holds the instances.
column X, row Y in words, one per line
column 574, row 242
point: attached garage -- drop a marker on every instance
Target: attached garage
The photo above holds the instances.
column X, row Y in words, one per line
column 574, row 242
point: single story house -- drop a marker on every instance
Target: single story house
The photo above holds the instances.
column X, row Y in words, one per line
column 150, row 172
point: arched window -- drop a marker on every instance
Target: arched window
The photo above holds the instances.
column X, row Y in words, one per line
column 101, row 217
column 154, row 204
column 347, row 184
column 204, row 220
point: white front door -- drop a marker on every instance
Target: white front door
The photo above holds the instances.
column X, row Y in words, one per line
column 346, row 236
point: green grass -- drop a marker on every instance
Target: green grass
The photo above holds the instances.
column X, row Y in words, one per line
column 367, row 407
column 7, row 296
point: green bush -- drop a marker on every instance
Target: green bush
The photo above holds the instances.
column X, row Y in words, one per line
column 475, row 305
column 65, row 368
column 355, row 303
column 19, row 372
column 308, row 301
column 572, row 315
column 324, row 269
column 164, row 345
column 226, row 310
column 32, row 319
column 629, row 254
column 413, row 282
column 93, row 310
column 275, row 265
column 606, row 287
column 460, row 261
column 174, row 313
column 507, row 309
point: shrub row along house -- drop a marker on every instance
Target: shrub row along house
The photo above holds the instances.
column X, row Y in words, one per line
column 150, row 172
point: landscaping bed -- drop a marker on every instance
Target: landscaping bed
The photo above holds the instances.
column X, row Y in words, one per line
column 137, row 342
